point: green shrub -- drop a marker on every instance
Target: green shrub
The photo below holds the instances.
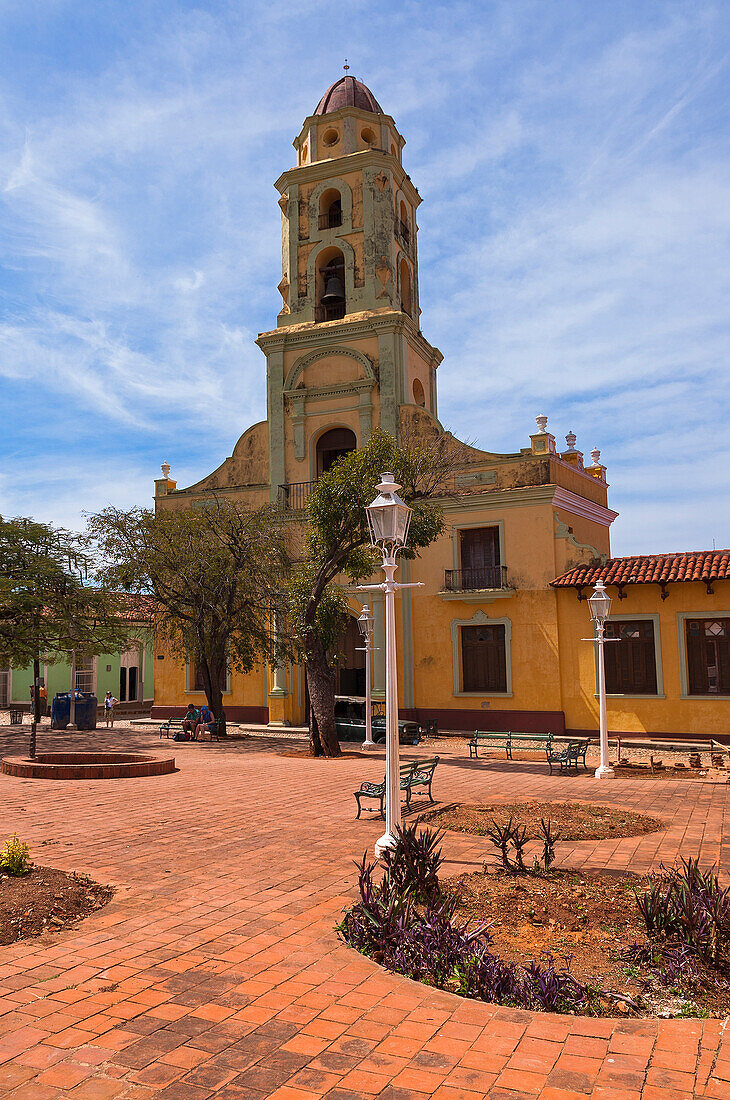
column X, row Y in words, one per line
column 15, row 857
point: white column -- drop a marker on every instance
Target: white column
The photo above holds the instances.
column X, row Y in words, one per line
column 392, row 752
column 379, row 643
column 604, row 771
column 368, row 743
column 72, row 711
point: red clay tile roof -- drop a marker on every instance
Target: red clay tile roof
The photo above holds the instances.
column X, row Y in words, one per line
column 348, row 92
column 694, row 565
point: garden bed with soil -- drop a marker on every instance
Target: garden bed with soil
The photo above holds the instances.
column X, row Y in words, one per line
column 531, row 936
column 46, row 900
column 573, row 820
column 588, row 917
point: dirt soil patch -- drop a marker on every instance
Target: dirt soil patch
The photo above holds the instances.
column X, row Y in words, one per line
column 573, row 820
column 589, row 917
column 46, row 900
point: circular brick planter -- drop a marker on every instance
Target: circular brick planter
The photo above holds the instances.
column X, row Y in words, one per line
column 87, row 765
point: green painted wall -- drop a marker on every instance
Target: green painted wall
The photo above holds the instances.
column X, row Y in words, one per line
column 106, row 675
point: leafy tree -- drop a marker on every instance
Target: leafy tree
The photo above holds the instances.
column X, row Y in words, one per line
column 46, row 607
column 216, row 575
column 337, row 544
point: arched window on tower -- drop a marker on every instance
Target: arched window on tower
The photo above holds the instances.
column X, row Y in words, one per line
column 331, row 446
column 330, row 209
column 406, row 300
column 331, row 301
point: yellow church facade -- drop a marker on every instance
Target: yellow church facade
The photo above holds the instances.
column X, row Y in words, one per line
column 494, row 639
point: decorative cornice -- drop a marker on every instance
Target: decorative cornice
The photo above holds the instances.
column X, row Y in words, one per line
column 580, row 506
column 339, row 389
column 334, row 332
column 350, row 162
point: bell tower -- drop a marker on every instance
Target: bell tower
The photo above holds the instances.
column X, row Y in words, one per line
column 347, row 352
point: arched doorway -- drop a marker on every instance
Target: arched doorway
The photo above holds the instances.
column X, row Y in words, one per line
column 331, row 446
column 350, row 662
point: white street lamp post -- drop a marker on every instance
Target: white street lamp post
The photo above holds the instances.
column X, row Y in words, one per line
column 600, row 605
column 365, row 624
column 72, row 701
column 389, row 518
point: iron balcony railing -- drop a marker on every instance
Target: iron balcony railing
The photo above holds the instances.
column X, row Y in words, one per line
column 293, row 497
column 403, row 233
column 331, row 220
column 471, row 580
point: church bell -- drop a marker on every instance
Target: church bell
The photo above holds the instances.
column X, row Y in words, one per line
column 334, row 291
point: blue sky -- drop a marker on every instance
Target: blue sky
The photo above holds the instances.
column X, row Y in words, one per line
column 573, row 162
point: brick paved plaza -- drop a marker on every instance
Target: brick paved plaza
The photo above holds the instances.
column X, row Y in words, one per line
column 215, row 972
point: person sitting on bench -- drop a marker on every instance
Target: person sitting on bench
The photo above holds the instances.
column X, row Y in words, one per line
column 204, row 725
column 191, row 720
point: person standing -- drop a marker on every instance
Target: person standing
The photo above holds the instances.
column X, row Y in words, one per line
column 109, row 704
column 43, row 699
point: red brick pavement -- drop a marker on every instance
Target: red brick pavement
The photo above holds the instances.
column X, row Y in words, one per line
column 215, row 972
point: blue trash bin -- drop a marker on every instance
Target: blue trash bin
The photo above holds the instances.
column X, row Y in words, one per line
column 86, row 708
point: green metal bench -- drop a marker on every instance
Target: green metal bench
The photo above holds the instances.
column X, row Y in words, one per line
column 507, row 741
column 568, row 757
column 489, row 740
column 172, row 725
column 421, row 776
column 415, row 773
column 175, row 725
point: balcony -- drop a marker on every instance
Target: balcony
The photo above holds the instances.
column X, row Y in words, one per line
column 293, row 497
column 403, row 234
column 488, row 578
column 331, row 220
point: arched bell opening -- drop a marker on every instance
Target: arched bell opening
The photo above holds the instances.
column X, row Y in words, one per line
column 403, row 226
column 331, row 445
column 330, row 209
column 406, row 301
column 331, row 300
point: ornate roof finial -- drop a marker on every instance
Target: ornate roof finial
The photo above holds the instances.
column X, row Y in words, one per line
column 570, row 440
column 345, row 66
column 596, row 456
column 165, row 467
column 541, row 422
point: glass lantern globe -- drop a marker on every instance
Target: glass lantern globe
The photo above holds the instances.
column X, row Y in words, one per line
column 389, row 517
column 365, row 622
column 600, row 603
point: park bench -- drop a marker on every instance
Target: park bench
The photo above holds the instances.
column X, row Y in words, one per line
column 415, row 773
column 654, row 744
column 569, row 756
column 507, row 741
column 489, row 740
column 171, row 725
column 421, row 776
column 175, row 725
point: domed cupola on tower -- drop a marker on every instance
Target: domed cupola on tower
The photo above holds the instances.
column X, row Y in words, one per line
column 347, row 352
column 347, row 92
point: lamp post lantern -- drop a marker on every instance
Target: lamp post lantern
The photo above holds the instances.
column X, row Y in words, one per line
column 600, row 605
column 389, row 518
column 365, row 626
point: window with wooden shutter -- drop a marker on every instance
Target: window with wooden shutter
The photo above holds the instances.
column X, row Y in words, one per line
column 484, row 658
column 630, row 658
column 480, row 564
column 708, row 656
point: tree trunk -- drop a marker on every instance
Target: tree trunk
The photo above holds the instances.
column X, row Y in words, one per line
column 36, row 707
column 212, row 676
column 321, row 683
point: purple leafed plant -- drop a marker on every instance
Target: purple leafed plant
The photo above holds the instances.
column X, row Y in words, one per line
column 404, row 923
